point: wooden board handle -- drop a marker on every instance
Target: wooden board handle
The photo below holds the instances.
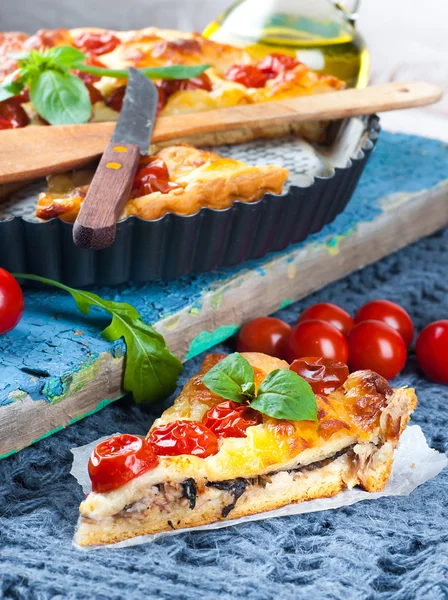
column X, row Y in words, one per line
column 96, row 223
column 34, row 152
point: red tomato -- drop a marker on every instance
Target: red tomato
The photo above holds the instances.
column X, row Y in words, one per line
column 88, row 77
column 323, row 374
column 316, row 338
column 11, row 111
column 119, row 459
column 390, row 313
column 276, row 63
column 201, row 82
column 183, row 437
column 432, row 351
column 96, row 42
column 116, row 97
column 325, row 311
column 376, row 346
column 247, row 75
column 94, row 93
column 230, row 419
column 152, row 177
column 266, row 335
column 11, row 302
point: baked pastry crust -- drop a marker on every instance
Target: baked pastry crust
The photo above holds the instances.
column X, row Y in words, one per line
column 278, row 463
column 204, row 179
column 152, row 47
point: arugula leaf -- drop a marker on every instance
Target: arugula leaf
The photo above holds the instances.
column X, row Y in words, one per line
column 168, row 72
column 60, row 98
column 151, row 371
column 286, row 395
column 232, row 378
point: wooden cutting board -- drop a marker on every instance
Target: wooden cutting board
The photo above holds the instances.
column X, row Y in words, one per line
column 55, row 369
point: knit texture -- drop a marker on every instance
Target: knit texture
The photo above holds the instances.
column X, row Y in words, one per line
column 392, row 548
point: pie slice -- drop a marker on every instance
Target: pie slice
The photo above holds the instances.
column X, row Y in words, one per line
column 178, row 179
column 272, row 463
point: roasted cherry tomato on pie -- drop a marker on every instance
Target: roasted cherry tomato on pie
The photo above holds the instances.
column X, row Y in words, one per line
column 316, row 338
column 376, row 346
column 276, row 63
column 11, row 302
column 390, row 313
column 230, row 419
column 265, row 334
column 115, row 99
column 96, row 42
column 88, row 77
column 153, row 176
column 12, row 114
column 325, row 311
column 323, row 374
column 119, row 459
column 431, row 349
column 201, row 82
column 247, row 75
column 183, row 437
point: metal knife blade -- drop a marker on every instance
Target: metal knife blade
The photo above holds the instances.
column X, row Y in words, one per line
column 137, row 116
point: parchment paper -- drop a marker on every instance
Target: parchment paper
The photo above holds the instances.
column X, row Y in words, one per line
column 415, row 463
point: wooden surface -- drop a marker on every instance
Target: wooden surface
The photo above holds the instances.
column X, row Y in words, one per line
column 56, row 369
column 38, row 151
column 96, row 223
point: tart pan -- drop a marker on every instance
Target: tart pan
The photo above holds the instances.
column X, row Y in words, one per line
column 177, row 245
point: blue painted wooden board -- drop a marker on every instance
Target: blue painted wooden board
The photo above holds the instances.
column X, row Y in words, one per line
column 55, row 368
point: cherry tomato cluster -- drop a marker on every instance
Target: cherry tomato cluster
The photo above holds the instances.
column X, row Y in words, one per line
column 121, row 458
column 377, row 339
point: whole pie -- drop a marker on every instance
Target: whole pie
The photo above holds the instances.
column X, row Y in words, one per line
column 235, row 77
column 246, row 463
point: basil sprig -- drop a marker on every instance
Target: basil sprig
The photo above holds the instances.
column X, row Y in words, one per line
column 282, row 394
column 151, row 371
column 59, row 96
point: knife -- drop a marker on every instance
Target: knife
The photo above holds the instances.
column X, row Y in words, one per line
column 96, row 224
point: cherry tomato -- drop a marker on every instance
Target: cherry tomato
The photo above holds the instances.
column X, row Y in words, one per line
column 316, row 338
column 116, row 97
column 230, row 419
column 432, row 351
column 13, row 113
column 11, row 302
column 266, row 335
column 88, row 77
column 94, row 93
column 323, row 374
column 276, row 63
column 247, row 75
column 325, row 311
column 153, row 176
column 96, row 42
column 201, row 82
column 183, row 437
column 390, row 313
column 119, row 459
column 376, row 346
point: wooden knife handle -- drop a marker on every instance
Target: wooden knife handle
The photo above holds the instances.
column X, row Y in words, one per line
column 96, row 224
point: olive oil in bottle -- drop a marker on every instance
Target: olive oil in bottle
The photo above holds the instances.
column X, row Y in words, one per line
column 319, row 33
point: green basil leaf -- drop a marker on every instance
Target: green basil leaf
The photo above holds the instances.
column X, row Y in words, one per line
column 6, row 93
column 286, row 395
column 66, row 55
column 60, row 98
column 11, row 85
column 230, row 378
column 151, row 371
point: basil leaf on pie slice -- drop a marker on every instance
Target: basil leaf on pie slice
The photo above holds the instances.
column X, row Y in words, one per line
column 286, row 395
column 232, row 379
